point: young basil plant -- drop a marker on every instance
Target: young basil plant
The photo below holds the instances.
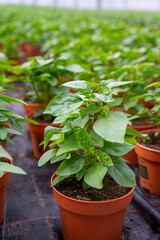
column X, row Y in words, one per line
column 92, row 137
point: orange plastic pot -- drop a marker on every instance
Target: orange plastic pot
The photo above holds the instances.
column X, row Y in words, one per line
column 149, row 166
column 3, row 192
column 37, row 136
column 91, row 220
column 29, row 50
column 132, row 156
column 147, row 104
column 17, row 61
column 32, row 51
column 31, row 107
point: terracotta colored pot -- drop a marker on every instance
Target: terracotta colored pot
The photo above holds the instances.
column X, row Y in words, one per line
column 22, row 46
column 3, row 190
column 132, row 156
column 37, row 136
column 17, row 61
column 29, row 50
column 149, row 166
column 91, row 220
column 147, row 104
column 32, row 51
column 31, row 107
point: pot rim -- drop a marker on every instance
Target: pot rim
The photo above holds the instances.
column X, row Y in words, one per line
column 147, row 148
column 92, row 202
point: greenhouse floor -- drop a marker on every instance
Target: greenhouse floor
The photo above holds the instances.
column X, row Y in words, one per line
column 31, row 211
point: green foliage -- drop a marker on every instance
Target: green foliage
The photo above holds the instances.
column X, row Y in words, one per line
column 90, row 147
column 9, row 124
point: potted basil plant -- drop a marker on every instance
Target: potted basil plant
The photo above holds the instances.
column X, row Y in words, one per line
column 93, row 185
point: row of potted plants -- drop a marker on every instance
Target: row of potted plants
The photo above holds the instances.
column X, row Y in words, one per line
column 91, row 139
column 101, row 42
column 89, row 128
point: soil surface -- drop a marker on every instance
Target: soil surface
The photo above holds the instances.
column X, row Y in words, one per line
column 72, row 188
column 3, row 160
column 141, row 121
column 43, row 119
column 154, row 141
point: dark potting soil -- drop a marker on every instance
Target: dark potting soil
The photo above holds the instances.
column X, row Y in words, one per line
column 3, row 160
column 43, row 119
column 72, row 188
column 154, row 141
column 141, row 121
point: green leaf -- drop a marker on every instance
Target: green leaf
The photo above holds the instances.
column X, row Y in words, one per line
column 60, row 157
column 4, row 153
column 117, row 84
column 47, row 156
column 11, row 168
column 96, row 139
column 43, row 62
column 112, row 128
column 81, row 122
column 53, row 133
column 10, row 99
column 11, row 113
column 3, row 118
column 71, row 166
column 104, row 158
column 103, row 97
column 76, row 84
column 27, row 120
column 130, row 139
column 94, row 176
column 80, row 175
column 3, row 132
column 117, row 149
column 83, row 140
column 75, row 68
column 58, row 179
column 116, row 102
column 69, row 145
column 13, row 131
column 122, row 174
column 16, row 125
column 92, row 108
column 133, row 132
column 130, row 103
column 63, row 103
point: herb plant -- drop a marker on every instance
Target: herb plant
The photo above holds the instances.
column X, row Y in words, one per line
column 44, row 75
column 92, row 138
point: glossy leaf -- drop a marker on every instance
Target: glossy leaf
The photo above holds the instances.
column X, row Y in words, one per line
column 94, row 176
column 71, row 166
column 64, row 103
column 112, row 127
column 47, row 156
column 122, row 174
column 117, row 149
